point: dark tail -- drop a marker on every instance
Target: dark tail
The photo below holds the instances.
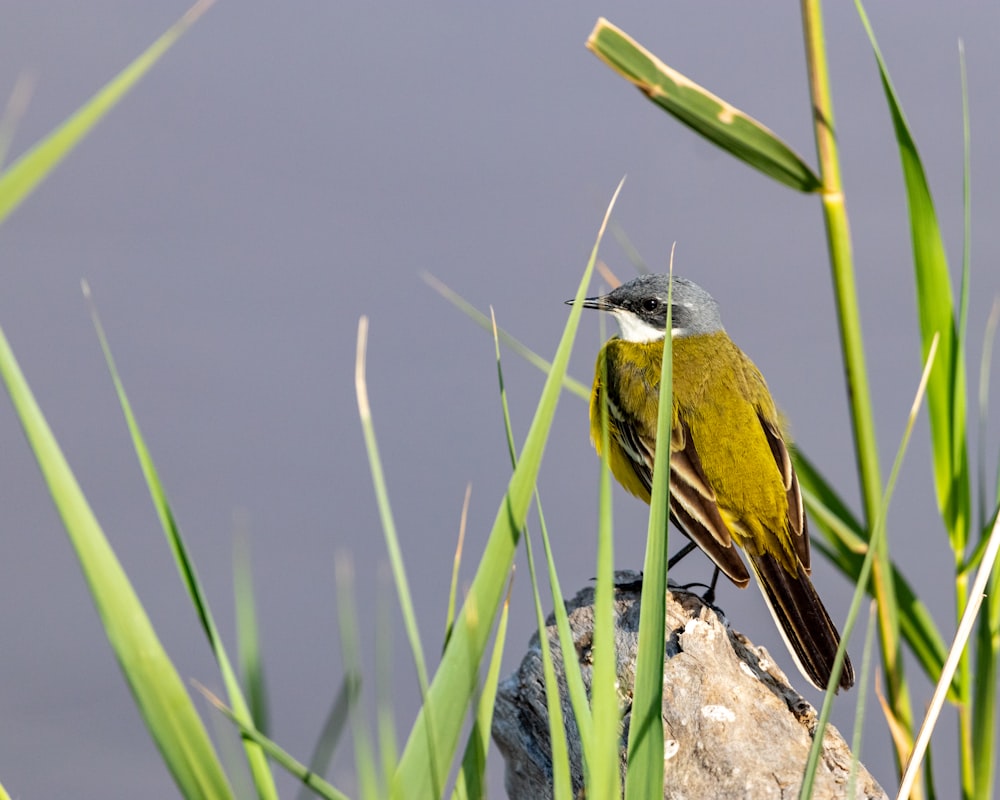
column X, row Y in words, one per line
column 805, row 626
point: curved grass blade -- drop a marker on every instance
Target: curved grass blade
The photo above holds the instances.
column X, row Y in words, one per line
column 333, row 728
column 605, row 774
column 453, row 685
column 562, row 787
column 248, row 637
column 862, row 585
column 644, row 774
column 471, row 781
column 988, row 636
column 385, row 717
column 437, row 775
column 529, row 355
column 988, row 491
column 350, row 654
column 280, row 756
column 845, row 547
column 693, row 105
column 25, row 174
column 156, row 687
column 263, row 779
column 861, row 703
column 455, row 565
column 983, row 576
column 946, row 391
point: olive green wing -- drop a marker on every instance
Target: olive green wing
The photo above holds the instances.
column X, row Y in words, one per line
column 695, row 510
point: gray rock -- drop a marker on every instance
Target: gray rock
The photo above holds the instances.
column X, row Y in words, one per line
column 733, row 726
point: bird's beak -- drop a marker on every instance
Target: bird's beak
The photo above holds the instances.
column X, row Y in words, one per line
column 600, row 303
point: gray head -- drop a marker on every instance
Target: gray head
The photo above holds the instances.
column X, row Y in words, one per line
column 640, row 306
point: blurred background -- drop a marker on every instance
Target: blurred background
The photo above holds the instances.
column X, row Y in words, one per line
column 286, row 169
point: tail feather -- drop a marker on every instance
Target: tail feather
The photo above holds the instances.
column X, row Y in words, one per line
column 804, row 623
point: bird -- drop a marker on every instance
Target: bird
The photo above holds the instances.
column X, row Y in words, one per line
column 733, row 486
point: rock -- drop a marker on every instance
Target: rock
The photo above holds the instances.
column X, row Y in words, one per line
column 733, row 726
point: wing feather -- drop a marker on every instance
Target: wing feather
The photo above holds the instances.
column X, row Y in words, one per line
column 797, row 523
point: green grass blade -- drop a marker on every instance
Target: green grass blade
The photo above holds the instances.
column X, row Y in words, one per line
column 946, row 392
column 156, row 687
column 845, row 547
column 521, row 349
column 984, row 719
column 562, row 787
column 571, row 668
column 395, row 553
column 280, row 756
column 986, row 671
column 605, row 777
column 263, row 779
column 333, row 728
column 248, row 637
column 708, row 115
column 983, row 576
column 871, row 558
column 471, row 781
column 385, row 681
column 350, row 654
column 455, row 565
column 644, row 776
column 453, row 685
column 28, row 171
column 861, row 702
column 987, row 492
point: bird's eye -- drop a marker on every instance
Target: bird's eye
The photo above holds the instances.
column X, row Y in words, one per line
column 650, row 304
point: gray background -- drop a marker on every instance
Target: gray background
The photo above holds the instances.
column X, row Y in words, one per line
column 288, row 168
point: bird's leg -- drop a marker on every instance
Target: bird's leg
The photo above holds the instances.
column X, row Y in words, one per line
column 709, row 596
column 675, row 560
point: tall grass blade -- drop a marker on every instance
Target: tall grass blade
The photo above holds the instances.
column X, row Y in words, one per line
column 471, row 781
column 693, row 105
column 455, row 565
column 27, row 172
column 263, row 779
column 248, row 637
column 156, row 687
column 946, row 391
column 877, row 543
column 350, row 654
column 988, row 490
column 861, row 702
column 280, row 756
column 455, row 680
column 521, row 349
column 845, row 547
column 605, row 777
column 644, row 775
column 562, row 787
column 983, row 576
column 392, row 545
column 385, row 680
column 333, row 728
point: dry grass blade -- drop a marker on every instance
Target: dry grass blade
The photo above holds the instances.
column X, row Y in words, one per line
column 951, row 664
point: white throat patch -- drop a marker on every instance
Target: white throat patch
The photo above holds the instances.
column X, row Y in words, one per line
column 635, row 330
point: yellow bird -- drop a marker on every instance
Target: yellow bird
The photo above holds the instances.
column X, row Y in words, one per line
column 731, row 477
